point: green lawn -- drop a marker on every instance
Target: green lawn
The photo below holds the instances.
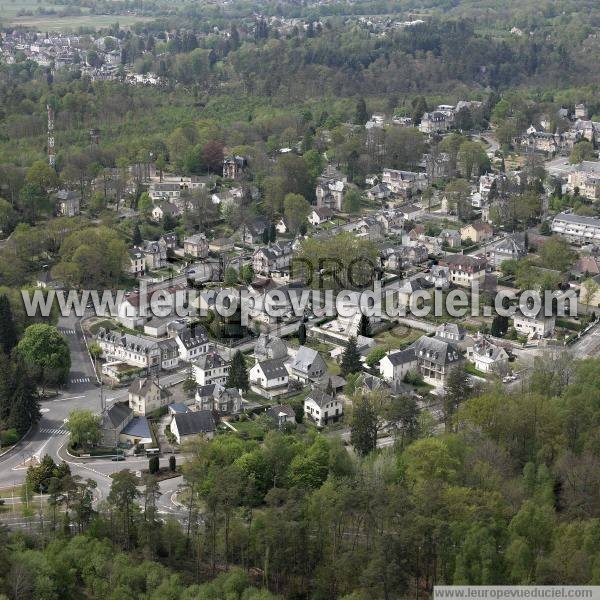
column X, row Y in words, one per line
column 56, row 23
column 399, row 337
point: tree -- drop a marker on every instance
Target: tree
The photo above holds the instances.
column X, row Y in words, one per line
column 137, row 236
column 247, row 274
column 472, row 159
column 44, row 349
column 8, row 330
column 153, row 465
column 583, row 150
column 361, row 116
column 351, row 202
column 364, row 326
column 122, row 496
column 189, row 383
column 302, row 334
column 212, row 156
column 351, row 358
column 230, row 277
column 363, row 428
column 25, row 408
column 172, row 463
column 84, row 428
column 375, row 356
column 265, row 236
column 499, row 326
column 295, row 210
column 555, row 253
column 145, row 204
column 238, row 373
column 42, row 175
column 456, row 390
column 272, row 232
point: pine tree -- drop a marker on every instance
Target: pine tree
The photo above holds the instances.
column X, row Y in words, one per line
column 25, row 408
column 137, row 236
column 265, row 235
column 457, row 390
column 364, row 327
column 272, row 232
column 238, row 374
column 361, row 116
column 7, row 386
column 302, row 334
column 8, row 330
column 363, row 429
column 351, row 358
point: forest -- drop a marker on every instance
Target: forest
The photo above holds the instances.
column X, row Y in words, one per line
column 508, row 494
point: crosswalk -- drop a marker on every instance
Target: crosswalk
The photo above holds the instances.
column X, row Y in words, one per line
column 81, row 380
column 67, row 331
column 54, row 430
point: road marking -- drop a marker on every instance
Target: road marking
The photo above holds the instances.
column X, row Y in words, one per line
column 67, row 331
column 44, row 410
column 54, row 430
column 80, row 380
column 69, row 398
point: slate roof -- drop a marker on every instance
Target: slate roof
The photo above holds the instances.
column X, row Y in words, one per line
column 438, row 351
column 192, row 337
column 115, row 415
column 273, row 368
column 304, row 359
column 402, row 357
column 212, row 360
column 279, row 409
column 192, row 423
column 319, row 397
column 138, row 427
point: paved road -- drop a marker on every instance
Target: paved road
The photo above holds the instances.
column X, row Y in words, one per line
column 50, row 436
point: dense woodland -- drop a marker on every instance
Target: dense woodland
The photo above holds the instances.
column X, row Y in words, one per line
column 509, row 494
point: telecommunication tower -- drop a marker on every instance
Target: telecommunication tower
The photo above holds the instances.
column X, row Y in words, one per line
column 51, row 148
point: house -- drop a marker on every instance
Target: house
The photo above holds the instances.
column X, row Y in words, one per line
column 322, row 408
column 435, row 121
column 112, row 422
column 169, row 240
column 452, row 332
column 234, row 167
column 252, row 233
column 137, row 262
column 68, row 203
column 155, row 254
column 320, row 214
column 534, row 327
column 465, row 270
column 161, row 191
column 542, row 142
column 137, row 432
column 396, row 364
column 404, row 182
column 146, row 395
column 477, row 232
column 281, row 414
column 192, row 342
column 410, row 212
column 330, row 193
column 165, row 209
column 379, row 192
column 390, row 219
column 269, row 374
column 586, row 178
column 435, row 358
column 510, row 248
column 307, row 365
column 185, row 426
column 577, row 229
column 450, row 238
column 211, row 368
column 488, row 357
column 281, row 226
column 226, row 401
column 274, row 257
column 269, row 346
column 438, row 276
column 196, row 245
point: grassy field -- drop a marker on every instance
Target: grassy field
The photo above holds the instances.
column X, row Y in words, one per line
column 10, row 8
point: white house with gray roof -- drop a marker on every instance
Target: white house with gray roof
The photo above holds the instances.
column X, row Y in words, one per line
column 270, row 374
column 307, row 365
column 577, row 229
column 435, row 359
column 322, row 408
column 396, row 364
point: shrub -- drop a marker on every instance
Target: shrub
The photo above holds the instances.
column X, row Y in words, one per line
column 153, row 465
column 172, row 463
